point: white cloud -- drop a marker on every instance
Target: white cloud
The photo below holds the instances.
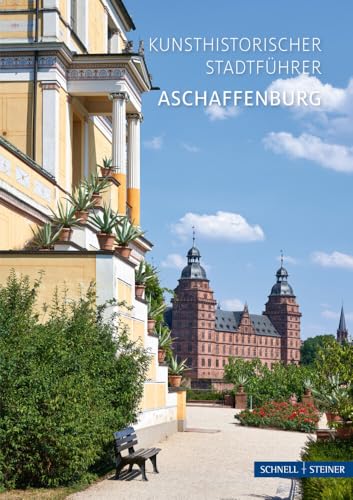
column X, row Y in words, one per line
column 219, row 226
column 216, row 112
column 155, row 143
column 174, row 261
column 329, row 314
column 308, row 147
column 334, row 259
column 287, row 259
column 332, row 99
column 232, row 305
column 190, row 148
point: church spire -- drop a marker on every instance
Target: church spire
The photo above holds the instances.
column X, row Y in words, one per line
column 342, row 332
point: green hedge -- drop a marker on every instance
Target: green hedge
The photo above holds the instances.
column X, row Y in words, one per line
column 63, row 389
column 201, row 394
column 328, row 488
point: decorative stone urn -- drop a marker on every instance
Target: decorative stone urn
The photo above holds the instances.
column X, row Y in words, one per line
column 241, row 399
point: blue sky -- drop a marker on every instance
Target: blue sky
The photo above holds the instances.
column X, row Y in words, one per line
column 267, row 178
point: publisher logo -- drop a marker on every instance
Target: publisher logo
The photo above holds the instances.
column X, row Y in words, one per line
column 303, row 469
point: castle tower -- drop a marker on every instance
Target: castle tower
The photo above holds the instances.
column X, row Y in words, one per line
column 193, row 319
column 284, row 314
column 342, row 332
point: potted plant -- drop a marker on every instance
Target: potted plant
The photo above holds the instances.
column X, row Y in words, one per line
column 107, row 167
column 176, row 370
column 165, row 342
column 332, row 398
column 44, row 237
column 65, row 217
column 82, row 201
column 125, row 234
column 105, row 223
column 153, row 310
column 96, row 185
column 143, row 273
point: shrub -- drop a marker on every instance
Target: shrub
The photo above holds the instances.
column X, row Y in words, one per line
column 298, row 417
column 264, row 384
column 202, row 394
column 63, row 389
column 328, row 488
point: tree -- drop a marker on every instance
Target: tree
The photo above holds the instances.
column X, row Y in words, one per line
column 311, row 347
column 67, row 383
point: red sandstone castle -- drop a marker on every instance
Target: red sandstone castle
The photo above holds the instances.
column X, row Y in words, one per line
column 206, row 335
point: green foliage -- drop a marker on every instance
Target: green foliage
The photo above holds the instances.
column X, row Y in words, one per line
column 155, row 310
column 44, row 236
column 334, row 359
column 144, row 272
column 81, row 199
column 63, row 389
column 165, row 340
column 176, row 367
column 282, row 415
column 126, row 232
column 65, row 215
column 264, row 384
column 104, row 220
column 155, row 292
column 203, row 395
column 311, row 346
column 96, row 185
column 328, row 488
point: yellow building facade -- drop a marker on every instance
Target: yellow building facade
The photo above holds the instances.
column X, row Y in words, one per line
column 71, row 89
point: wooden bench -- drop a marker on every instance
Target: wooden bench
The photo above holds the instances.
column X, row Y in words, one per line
column 126, row 440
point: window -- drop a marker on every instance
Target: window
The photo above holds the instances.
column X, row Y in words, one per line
column 203, row 348
column 209, row 363
column 203, row 362
column 224, row 362
column 209, row 335
column 217, row 348
column 224, row 349
column 209, row 347
column 217, row 363
column 189, row 347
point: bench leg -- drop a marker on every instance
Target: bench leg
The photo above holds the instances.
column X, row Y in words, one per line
column 154, row 463
column 143, row 471
column 119, row 468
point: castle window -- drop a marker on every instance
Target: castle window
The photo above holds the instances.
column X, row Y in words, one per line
column 217, row 348
column 209, row 347
column 217, row 363
column 230, row 350
column 203, row 348
column 203, row 362
column 189, row 347
column 203, row 334
column 209, row 363
column 248, row 351
column 209, row 335
column 224, row 362
column 224, row 349
column 178, row 347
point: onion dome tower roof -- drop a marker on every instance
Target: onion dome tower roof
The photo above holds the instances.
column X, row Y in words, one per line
column 193, row 270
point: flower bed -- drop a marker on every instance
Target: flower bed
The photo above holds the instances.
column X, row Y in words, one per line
column 282, row 415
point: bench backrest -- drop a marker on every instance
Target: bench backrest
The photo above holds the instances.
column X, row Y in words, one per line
column 125, row 439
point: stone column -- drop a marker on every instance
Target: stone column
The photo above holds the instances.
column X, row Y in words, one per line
column 51, row 127
column 119, row 145
column 133, row 163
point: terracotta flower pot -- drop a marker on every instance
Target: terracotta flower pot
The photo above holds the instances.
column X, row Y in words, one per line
column 345, row 431
column 151, row 323
column 97, row 198
column 65, row 234
column 106, row 241
column 161, row 355
column 333, row 418
column 123, row 251
column 174, row 380
column 106, row 172
column 82, row 215
column 139, row 291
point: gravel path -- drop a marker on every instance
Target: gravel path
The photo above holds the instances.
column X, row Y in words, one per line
column 209, row 466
